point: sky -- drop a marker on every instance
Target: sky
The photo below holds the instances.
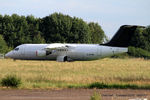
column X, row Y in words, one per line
column 109, row 14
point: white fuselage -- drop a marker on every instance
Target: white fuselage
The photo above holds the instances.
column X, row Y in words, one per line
column 73, row 52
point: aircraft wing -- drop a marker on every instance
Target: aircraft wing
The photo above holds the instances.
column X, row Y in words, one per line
column 56, row 46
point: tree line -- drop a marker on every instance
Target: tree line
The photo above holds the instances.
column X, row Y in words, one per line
column 55, row 28
column 60, row 28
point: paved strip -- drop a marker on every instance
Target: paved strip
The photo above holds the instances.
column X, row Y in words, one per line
column 73, row 94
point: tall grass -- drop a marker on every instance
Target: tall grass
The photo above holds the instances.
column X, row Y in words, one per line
column 52, row 74
column 96, row 96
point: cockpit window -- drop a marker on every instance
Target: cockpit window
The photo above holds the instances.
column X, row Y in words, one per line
column 16, row 49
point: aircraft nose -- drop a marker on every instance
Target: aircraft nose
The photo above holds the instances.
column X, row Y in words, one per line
column 9, row 54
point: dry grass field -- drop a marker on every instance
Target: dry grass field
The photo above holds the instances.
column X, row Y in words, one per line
column 52, row 74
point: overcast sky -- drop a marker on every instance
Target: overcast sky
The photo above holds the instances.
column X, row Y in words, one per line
column 110, row 14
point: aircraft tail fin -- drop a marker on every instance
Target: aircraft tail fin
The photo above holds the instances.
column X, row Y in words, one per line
column 123, row 36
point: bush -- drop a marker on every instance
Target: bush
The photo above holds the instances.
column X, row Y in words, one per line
column 138, row 52
column 11, row 81
column 98, row 85
column 133, row 52
column 122, row 56
column 96, row 96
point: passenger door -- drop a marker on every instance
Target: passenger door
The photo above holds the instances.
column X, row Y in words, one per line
column 22, row 51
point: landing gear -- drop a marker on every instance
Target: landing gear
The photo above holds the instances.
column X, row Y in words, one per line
column 48, row 53
column 68, row 59
column 65, row 58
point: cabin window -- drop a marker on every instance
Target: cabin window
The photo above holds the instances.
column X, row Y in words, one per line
column 16, row 49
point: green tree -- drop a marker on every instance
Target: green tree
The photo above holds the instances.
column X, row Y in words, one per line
column 32, row 28
column 96, row 33
column 38, row 39
column 63, row 28
column 56, row 27
column 3, row 45
column 21, row 27
column 80, row 31
column 1, row 24
column 7, row 29
column 141, row 38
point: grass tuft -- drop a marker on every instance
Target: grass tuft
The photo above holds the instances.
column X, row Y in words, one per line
column 96, row 96
column 11, row 81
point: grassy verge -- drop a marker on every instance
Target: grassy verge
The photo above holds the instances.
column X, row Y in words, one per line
column 106, row 73
column 118, row 86
column 98, row 85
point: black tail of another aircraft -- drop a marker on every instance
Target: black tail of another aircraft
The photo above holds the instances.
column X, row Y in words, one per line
column 123, row 36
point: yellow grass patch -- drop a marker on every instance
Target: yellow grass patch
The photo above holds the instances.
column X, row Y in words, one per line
column 45, row 74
